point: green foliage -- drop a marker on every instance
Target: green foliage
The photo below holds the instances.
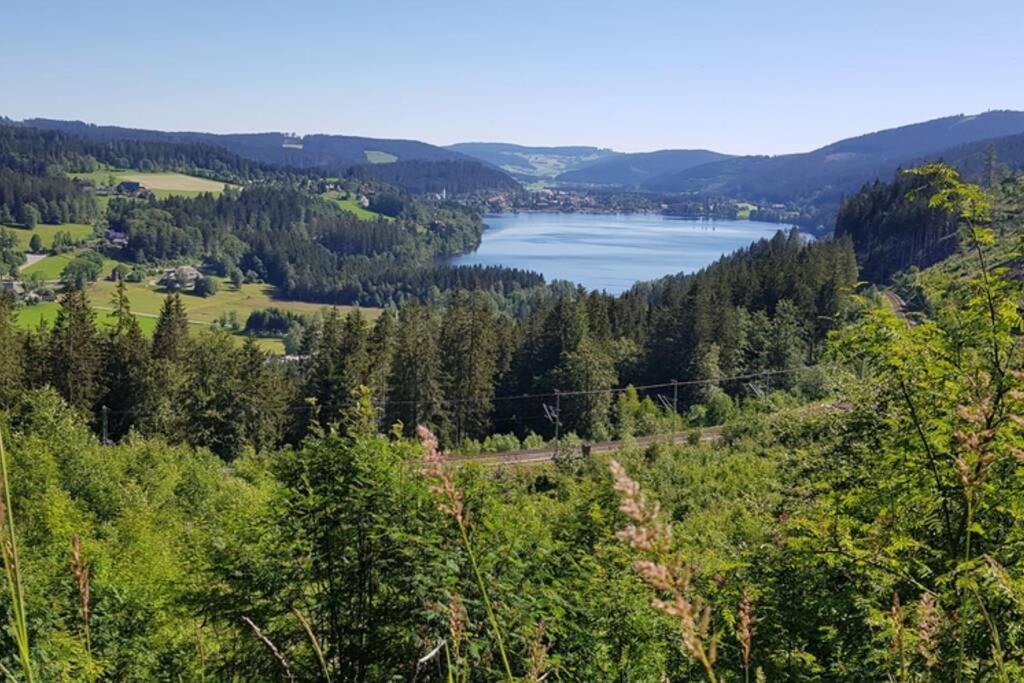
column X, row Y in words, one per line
column 206, row 286
column 83, row 269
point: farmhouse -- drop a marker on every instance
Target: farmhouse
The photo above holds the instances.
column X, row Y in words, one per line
column 180, row 278
column 117, row 238
column 131, row 188
column 14, row 286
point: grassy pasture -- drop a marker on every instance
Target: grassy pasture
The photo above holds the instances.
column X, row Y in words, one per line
column 352, row 206
column 161, row 184
column 78, row 231
column 51, row 267
column 146, row 301
column 378, row 157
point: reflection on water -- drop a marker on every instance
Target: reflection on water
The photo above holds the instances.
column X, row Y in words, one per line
column 610, row 252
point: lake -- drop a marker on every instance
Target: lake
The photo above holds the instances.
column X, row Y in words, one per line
column 610, row 252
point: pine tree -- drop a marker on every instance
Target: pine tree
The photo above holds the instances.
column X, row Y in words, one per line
column 171, row 329
column 126, row 367
column 12, row 374
column 74, row 365
column 589, row 371
column 470, row 343
column 417, row 377
column 265, row 396
column 325, row 375
column 382, row 351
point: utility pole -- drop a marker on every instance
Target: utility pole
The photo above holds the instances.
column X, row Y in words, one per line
column 106, row 411
column 558, row 417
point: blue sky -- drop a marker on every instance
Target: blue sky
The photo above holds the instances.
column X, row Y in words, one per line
column 739, row 76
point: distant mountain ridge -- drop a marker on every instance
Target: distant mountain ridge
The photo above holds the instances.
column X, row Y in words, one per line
column 533, row 163
column 825, row 175
column 310, row 151
column 633, row 170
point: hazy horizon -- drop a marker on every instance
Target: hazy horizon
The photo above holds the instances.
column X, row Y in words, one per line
column 738, row 77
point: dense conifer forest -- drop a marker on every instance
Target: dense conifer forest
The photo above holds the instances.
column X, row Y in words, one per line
column 763, row 470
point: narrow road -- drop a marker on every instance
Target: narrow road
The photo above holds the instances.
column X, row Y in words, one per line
column 152, row 316
column 32, row 259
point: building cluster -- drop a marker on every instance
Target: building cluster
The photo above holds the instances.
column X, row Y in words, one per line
column 125, row 188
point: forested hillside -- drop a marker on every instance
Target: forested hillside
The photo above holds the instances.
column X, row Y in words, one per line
column 856, row 517
column 634, row 170
column 893, row 226
column 532, row 163
column 824, row 175
column 310, row 151
column 277, row 227
column 462, row 176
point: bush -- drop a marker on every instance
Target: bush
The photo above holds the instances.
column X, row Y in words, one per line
column 720, row 407
column 206, row 286
column 82, row 270
column 272, row 322
column 499, row 443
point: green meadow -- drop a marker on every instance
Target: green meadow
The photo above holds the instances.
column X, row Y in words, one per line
column 352, row 206
column 78, row 231
column 146, row 301
column 161, row 184
column 378, row 157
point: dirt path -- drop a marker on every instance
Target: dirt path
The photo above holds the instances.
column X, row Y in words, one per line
column 32, row 259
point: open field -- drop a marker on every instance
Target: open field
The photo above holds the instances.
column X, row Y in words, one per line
column 78, row 231
column 744, row 210
column 352, row 206
column 243, row 301
column 51, row 267
column 161, row 184
column 377, row 157
column 202, row 312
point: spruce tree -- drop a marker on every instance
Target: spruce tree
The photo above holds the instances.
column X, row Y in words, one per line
column 470, row 361
column 74, row 365
column 171, row 329
column 126, row 367
column 417, row 376
column 12, row 374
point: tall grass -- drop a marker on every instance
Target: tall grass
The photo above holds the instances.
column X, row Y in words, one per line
column 12, row 568
column 80, row 570
column 450, row 503
column 665, row 572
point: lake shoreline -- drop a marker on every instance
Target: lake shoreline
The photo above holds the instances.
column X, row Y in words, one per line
column 609, row 251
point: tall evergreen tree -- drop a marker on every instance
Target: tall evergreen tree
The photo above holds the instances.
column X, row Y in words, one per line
column 126, row 367
column 417, row 377
column 12, row 374
column 470, row 361
column 265, row 396
column 171, row 329
column 74, row 366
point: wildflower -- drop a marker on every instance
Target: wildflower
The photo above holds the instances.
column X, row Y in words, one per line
column 926, row 629
column 665, row 573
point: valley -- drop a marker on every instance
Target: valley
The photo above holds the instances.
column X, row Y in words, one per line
column 298, row 385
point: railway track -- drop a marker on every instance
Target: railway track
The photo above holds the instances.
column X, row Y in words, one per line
column 547, row 454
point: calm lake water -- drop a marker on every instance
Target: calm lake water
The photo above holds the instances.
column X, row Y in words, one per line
column 610, row 252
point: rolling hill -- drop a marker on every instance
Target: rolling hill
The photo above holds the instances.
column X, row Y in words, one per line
column 631, row 170
column 533, row 163
column 825, row 175
column 310, row 151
